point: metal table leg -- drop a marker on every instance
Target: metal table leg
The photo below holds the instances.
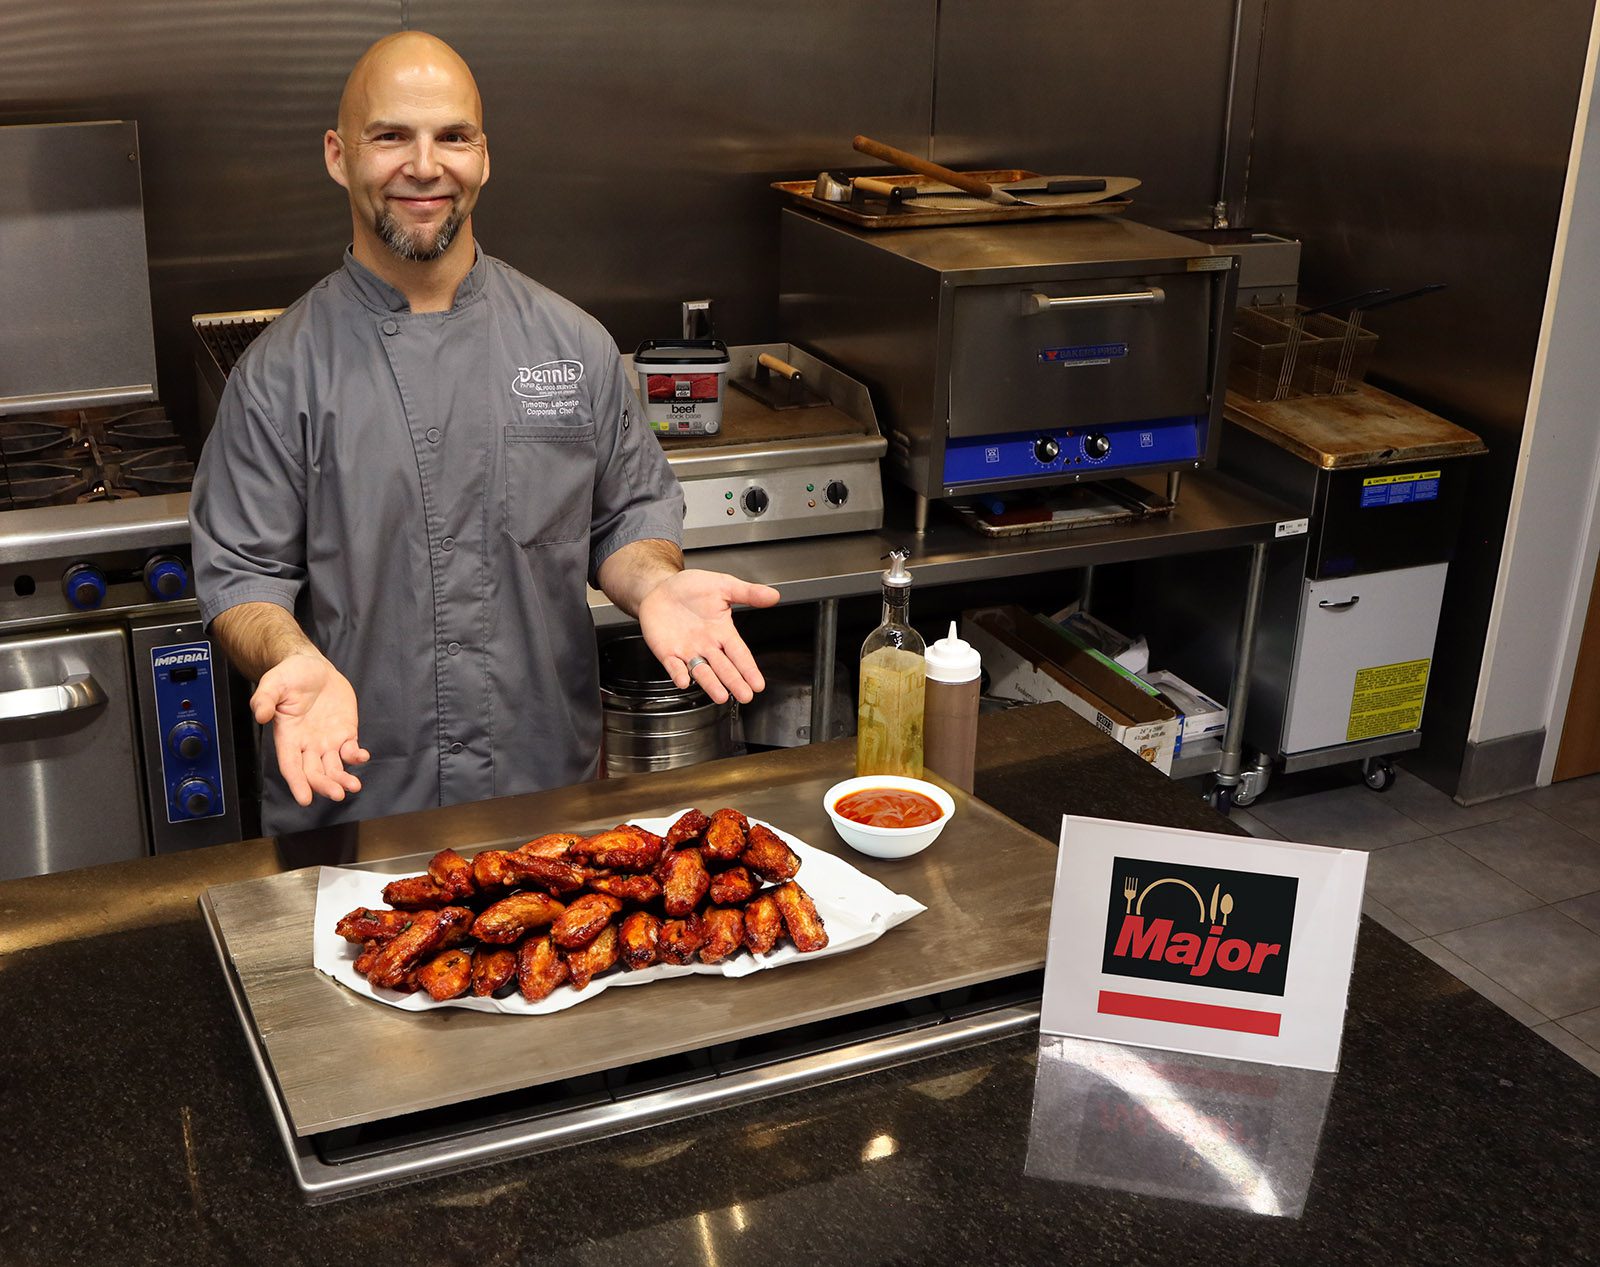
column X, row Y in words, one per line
column 1239, row 691
column 827, row 644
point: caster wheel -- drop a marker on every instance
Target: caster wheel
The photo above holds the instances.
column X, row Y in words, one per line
column 1243, row 799
column 1378, row 774
column 1221, row 799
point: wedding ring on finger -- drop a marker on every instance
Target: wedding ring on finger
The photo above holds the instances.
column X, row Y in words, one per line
column 694, row 664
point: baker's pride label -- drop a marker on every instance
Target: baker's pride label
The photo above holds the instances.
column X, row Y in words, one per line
column 1228, row 930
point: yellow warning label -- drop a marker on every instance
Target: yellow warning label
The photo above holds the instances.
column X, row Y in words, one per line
column 1388, row 699
column 1399, row 479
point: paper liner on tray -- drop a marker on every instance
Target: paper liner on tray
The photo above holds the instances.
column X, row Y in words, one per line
column 855, row 909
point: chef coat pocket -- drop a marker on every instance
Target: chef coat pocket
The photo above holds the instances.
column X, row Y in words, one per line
column 549, row 482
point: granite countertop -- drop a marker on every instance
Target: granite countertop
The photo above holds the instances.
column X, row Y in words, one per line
column 136, row 1131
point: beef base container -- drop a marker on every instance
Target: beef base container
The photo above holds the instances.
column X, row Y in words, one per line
column 681, row 382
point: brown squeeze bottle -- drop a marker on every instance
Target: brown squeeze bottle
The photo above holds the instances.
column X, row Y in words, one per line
column 950, row 709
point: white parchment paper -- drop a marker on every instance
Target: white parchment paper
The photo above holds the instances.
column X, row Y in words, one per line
column 855, row 909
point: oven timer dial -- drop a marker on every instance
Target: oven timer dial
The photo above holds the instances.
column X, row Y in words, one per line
column 837, row 493
column 189, row 740
column 195, row 797
column 84, row 585
column 1046, row 449
column 756, row 501
column 1096, row 446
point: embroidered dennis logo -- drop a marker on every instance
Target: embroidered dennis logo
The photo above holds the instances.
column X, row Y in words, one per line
column 535, row 381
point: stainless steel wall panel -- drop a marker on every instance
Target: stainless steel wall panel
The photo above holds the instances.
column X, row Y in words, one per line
column 1417, row 143
column 1081, row 86
column 632, row 143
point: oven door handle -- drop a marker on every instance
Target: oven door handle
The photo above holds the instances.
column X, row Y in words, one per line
column 1121, row 299
column 76, row 692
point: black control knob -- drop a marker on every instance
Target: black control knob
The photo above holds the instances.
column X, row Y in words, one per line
column 189, row 739
column 756, row 501
column 836, row 493
column 1095, row 446
column 1047, row 449
column 196, row 797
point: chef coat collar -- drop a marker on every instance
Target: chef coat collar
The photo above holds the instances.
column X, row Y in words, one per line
column 378, row 295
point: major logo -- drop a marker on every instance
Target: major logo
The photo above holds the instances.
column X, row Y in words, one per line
column 1229, row 930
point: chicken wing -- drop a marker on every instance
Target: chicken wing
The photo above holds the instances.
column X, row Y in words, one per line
column 763, row 924
column 685, row 882
column 365, row 925
column 723, row 927
column 492, row 969
column 679, row 940
column 800, row 917
column 452, row 873
column 591, row 960
column 368, row 954
column 691, row 825
column 624, row 848
column 540, row 969
column 416, row 893
column 555, row 874
column 733, row 887
column 582, row 922
column 768, row 856
column 403, row 952
column 446, row 976
column 725, row 835
column 511, row 917
column 491, row 872
column 638, row 889
column 558, row 844
column 640, row 933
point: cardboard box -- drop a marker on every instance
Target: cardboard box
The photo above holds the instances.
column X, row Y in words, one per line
column 1200, row 714
column 1031, row 658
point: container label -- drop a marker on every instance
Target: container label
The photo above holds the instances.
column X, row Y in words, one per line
column 1084, row 354
column 1397, row 490
column 669, row 387
column 1387, row 699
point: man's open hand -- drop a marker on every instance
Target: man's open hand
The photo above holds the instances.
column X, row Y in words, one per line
column 312, row 708
column 690, row 614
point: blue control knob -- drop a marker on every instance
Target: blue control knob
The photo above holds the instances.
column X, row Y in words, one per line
column 195, row 797
column 165, row 577
column 84, row 585
column 189, row 740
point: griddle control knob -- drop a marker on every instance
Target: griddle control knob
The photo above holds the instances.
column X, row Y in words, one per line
column 836, row 493
column 1095, row 446
column 195, row 797
column 165, row 577
column 189, row 739
column 756, row 501
column 1047, row 449
column 84, row 585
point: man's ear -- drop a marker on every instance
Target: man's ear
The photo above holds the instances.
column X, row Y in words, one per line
column 333, row 156
column 485, row 179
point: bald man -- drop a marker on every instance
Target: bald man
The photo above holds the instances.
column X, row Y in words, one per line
column 413, row 472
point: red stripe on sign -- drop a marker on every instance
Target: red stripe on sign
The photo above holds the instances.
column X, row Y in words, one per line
column 1176, row 1012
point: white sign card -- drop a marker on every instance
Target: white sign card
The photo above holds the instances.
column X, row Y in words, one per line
column 1197, row 942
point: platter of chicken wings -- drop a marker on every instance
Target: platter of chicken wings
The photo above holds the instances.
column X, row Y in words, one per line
column 560, row 919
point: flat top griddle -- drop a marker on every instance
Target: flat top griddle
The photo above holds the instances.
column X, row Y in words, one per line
column 338, row 1060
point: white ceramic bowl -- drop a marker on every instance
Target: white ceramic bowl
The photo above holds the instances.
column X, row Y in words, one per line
column 888, row 842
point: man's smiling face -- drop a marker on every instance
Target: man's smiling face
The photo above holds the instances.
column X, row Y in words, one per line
column 410, row 146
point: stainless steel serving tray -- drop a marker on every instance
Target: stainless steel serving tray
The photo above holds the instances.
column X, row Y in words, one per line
column 331, row 1061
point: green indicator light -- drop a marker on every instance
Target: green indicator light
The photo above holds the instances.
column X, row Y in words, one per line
column 729, row 496
column 811, row 488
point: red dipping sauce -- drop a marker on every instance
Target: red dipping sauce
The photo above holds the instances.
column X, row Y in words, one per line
column 888, row 807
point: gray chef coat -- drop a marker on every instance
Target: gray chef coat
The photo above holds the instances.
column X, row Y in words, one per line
column 428, row 493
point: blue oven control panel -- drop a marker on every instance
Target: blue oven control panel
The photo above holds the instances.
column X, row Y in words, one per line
column 186, row 719
column 1092, row 452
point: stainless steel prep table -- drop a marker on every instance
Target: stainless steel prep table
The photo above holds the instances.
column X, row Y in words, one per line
column 1215, row 512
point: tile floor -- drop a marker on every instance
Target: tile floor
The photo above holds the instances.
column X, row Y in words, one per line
column 1504, row 895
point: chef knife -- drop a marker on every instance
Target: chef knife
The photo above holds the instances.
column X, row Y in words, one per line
column 1005, row 195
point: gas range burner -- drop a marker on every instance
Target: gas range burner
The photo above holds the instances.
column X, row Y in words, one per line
column 89, row 455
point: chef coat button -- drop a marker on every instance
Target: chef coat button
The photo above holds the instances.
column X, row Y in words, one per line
column 433, row 435
column 454, row 648
column 449, row 543
column 455, row 747
column 391, row 327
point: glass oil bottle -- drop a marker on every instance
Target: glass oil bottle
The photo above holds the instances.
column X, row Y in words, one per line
column 893, row 673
